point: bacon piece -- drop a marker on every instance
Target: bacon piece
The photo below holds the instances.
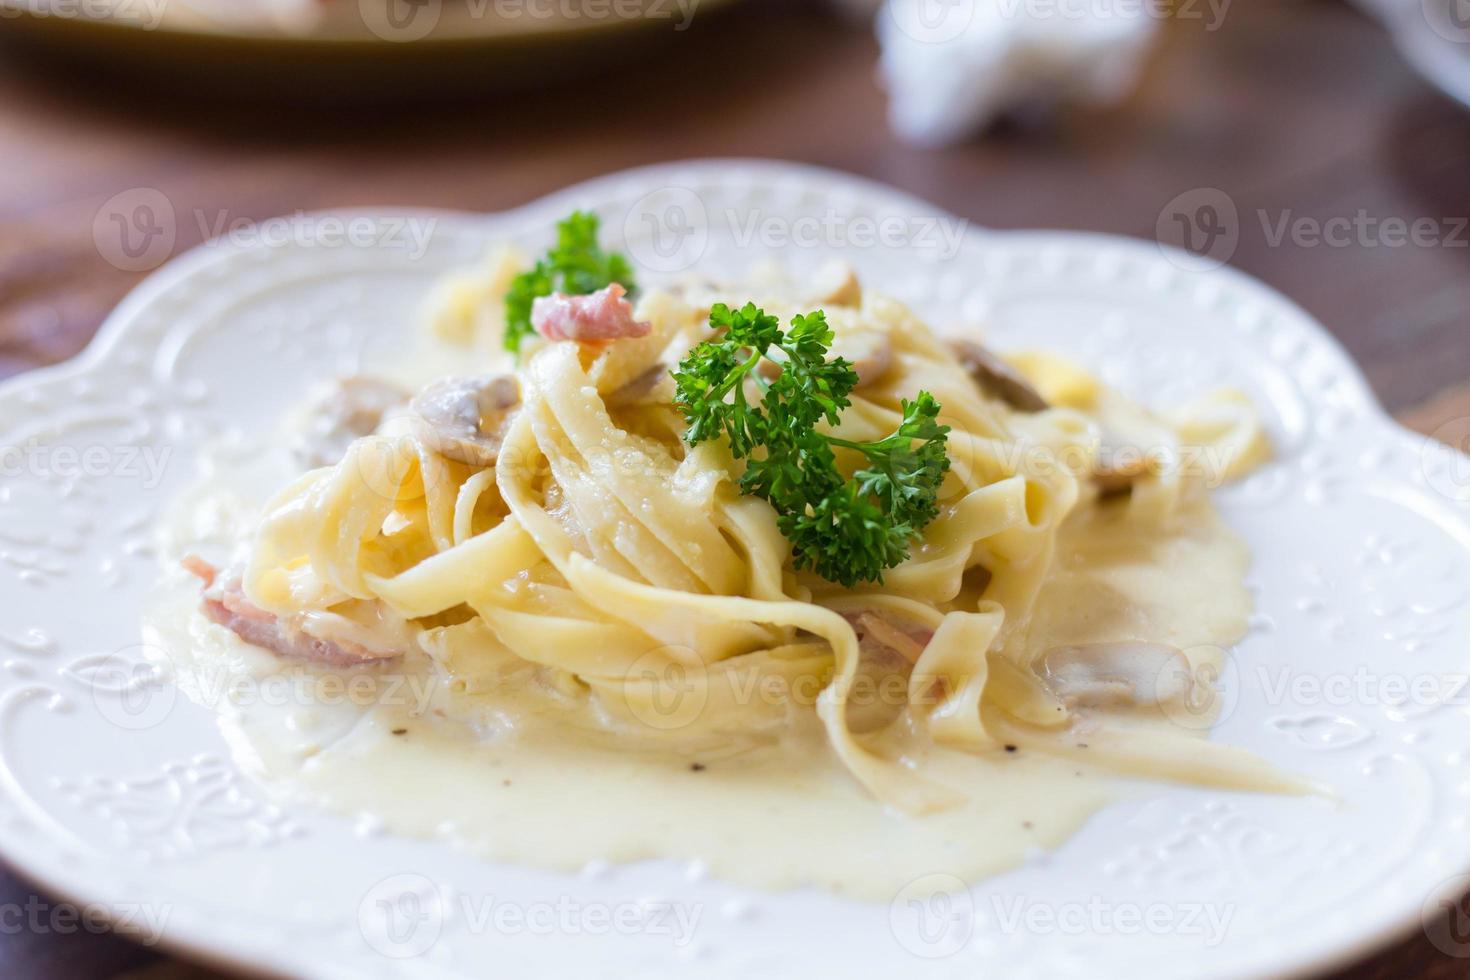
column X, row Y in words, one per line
column 594, row 318
column 195, row 565
column 225, row 603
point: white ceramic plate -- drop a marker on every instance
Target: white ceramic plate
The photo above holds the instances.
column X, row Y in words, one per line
column 119, row 795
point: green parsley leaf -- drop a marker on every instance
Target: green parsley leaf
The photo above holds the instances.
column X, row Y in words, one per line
column 847, row 530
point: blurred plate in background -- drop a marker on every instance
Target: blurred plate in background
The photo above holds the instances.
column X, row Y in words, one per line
column 344, row 50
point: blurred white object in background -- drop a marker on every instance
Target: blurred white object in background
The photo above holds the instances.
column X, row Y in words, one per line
column 952, row 66
column 1433, row 36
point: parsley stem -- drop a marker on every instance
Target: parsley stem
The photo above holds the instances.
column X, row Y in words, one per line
column 732, row 381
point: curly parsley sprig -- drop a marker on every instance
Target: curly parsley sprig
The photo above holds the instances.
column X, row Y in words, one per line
column 576, row 265
column 846, row 529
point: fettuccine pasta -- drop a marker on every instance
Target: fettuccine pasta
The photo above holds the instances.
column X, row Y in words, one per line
column 548, row 528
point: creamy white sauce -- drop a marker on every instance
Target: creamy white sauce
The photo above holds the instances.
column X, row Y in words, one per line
column 506, row 776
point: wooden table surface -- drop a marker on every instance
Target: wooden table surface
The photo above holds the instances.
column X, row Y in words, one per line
column 1298, row 110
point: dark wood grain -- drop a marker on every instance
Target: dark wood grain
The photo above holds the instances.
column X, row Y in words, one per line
column 1297, row 109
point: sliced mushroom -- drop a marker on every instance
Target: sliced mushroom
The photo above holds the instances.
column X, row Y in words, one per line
column 353, row 408
column 464, row 418
column 835, row 284
column 1118, row 467
column 997, row 378
column 645, row 389
column 1107, row 675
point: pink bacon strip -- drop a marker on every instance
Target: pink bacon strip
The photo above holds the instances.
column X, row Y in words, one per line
column 597, row 317
column 225, row 604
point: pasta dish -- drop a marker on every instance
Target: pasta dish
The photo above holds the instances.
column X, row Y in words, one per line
column 773, row 554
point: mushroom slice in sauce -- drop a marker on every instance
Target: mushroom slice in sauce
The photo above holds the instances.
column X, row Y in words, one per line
column 1110, row 675
column 645, row 389
column 353, row 408
column 997, row 378
column 1120, row 463
column 463, row 419
column 1114, row 478
column 835, row 284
